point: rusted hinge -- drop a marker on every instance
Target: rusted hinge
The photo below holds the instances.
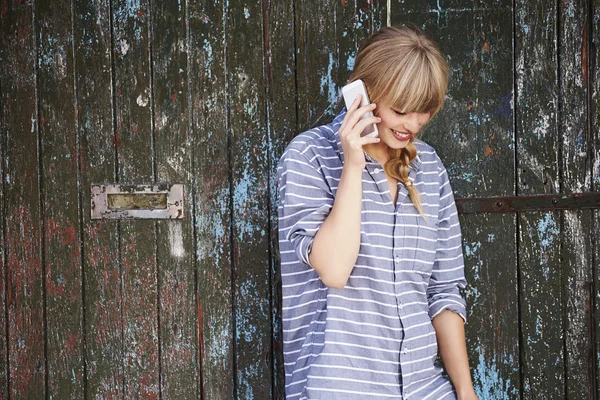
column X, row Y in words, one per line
column 544, row 202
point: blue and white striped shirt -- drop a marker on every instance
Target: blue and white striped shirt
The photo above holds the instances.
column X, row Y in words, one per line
column 372, row 339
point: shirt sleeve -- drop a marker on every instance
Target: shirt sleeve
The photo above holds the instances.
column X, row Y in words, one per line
column 447, row 277
column 305, row 200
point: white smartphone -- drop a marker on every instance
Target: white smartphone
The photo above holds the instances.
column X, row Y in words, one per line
column 350, row 92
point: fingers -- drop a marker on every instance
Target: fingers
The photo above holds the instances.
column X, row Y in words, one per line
column 359, row 142
column 349, row 112
column 354, row 114
column 362, row 124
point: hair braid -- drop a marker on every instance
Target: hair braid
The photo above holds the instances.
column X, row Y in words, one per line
column 398, row 168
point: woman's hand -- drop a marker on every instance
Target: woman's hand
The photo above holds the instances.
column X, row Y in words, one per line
column 468, row 395
column 352, row 127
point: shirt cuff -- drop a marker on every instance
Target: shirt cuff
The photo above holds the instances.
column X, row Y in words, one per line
column 303, row 249
column 438, row 305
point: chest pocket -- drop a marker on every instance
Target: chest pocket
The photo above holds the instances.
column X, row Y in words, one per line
column 420, row 238
column 426, row 243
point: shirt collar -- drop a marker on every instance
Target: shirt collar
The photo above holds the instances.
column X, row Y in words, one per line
column 336, row 125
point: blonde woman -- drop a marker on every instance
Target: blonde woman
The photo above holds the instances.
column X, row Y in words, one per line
column 370, row 242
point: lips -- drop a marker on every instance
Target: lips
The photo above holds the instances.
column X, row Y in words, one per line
column 402, row 136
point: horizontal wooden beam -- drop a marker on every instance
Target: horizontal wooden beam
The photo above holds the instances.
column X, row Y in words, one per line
column 545, row 202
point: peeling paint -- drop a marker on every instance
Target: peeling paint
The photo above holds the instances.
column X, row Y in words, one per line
column 490, row 384
column 142, row 100
column 176, row 239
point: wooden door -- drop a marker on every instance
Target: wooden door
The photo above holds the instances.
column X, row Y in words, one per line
column 208, row 94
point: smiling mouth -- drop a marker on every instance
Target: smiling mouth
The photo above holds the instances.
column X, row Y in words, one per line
column 402, row 135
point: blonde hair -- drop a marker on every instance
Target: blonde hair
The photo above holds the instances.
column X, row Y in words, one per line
column 404, row 69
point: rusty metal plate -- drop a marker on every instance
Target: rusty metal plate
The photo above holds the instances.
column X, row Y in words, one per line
column 158, row 201
column 545, row 202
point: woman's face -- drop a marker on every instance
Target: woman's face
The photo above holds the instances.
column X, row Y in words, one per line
column 396, row 128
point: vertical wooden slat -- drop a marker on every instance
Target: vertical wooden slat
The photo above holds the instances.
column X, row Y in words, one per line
column 316, row 62
column 60, row 196
column 179, row 370
column 134, row 139
column 575, row 167
column 473, row 135
column 281, row 120
column 102, row 276
column 249, row 152
column 207, row 66
column 379, row 13
column 536, row 64
column 328, row 35
column 594, row 112
column 22, row 203
column 3, row 265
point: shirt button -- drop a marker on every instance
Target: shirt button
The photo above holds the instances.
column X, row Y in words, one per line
column 376, row 170
column 397, row 259
column 405, row 350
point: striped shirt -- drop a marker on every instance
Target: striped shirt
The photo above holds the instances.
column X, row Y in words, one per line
column 372, row 339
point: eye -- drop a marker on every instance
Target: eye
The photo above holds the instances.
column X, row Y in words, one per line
column 399, row 113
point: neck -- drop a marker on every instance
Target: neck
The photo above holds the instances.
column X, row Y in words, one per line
column 377, row 151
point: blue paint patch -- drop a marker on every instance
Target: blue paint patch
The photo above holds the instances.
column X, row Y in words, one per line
column 472, row 248
column 489, row 382
column 505, row 106
column 350, row 62
column 327, row 82
column 547, row 231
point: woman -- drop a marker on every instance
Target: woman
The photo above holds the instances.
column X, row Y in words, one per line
column 370, row 241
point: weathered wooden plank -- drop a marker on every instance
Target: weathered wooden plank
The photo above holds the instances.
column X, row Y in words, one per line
column 593, row 74
column 575, row 164
column 135, row 151
column 281, row 128
column 3, row 267
column 379, row 14
column 328, row 35
column 23, row 239
column 316, row 62
column 59, row 163
column 536, row 63
column 206, row 63
column 542, row 355
column 249, row 165
column 102, row 277
column 179, row 366
column 473, row 135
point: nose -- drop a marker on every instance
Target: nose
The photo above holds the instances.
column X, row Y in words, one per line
column 415, row 122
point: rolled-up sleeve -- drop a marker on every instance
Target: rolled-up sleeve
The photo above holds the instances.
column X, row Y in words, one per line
column 447, row 277
column 305, row 200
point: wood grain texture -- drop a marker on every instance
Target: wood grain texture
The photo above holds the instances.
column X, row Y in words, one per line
column 25, row 301
column 594, row 110
column 207, row 66
column 102, row 277
column 575, row 165
column 4, row 377
column 541, row 295
column 177, row 309
column 281, row 128
column 316, row 62
column 249, row 166
column 473, row 135
column 136, row 155
column 328, row 35
column 59, row 169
